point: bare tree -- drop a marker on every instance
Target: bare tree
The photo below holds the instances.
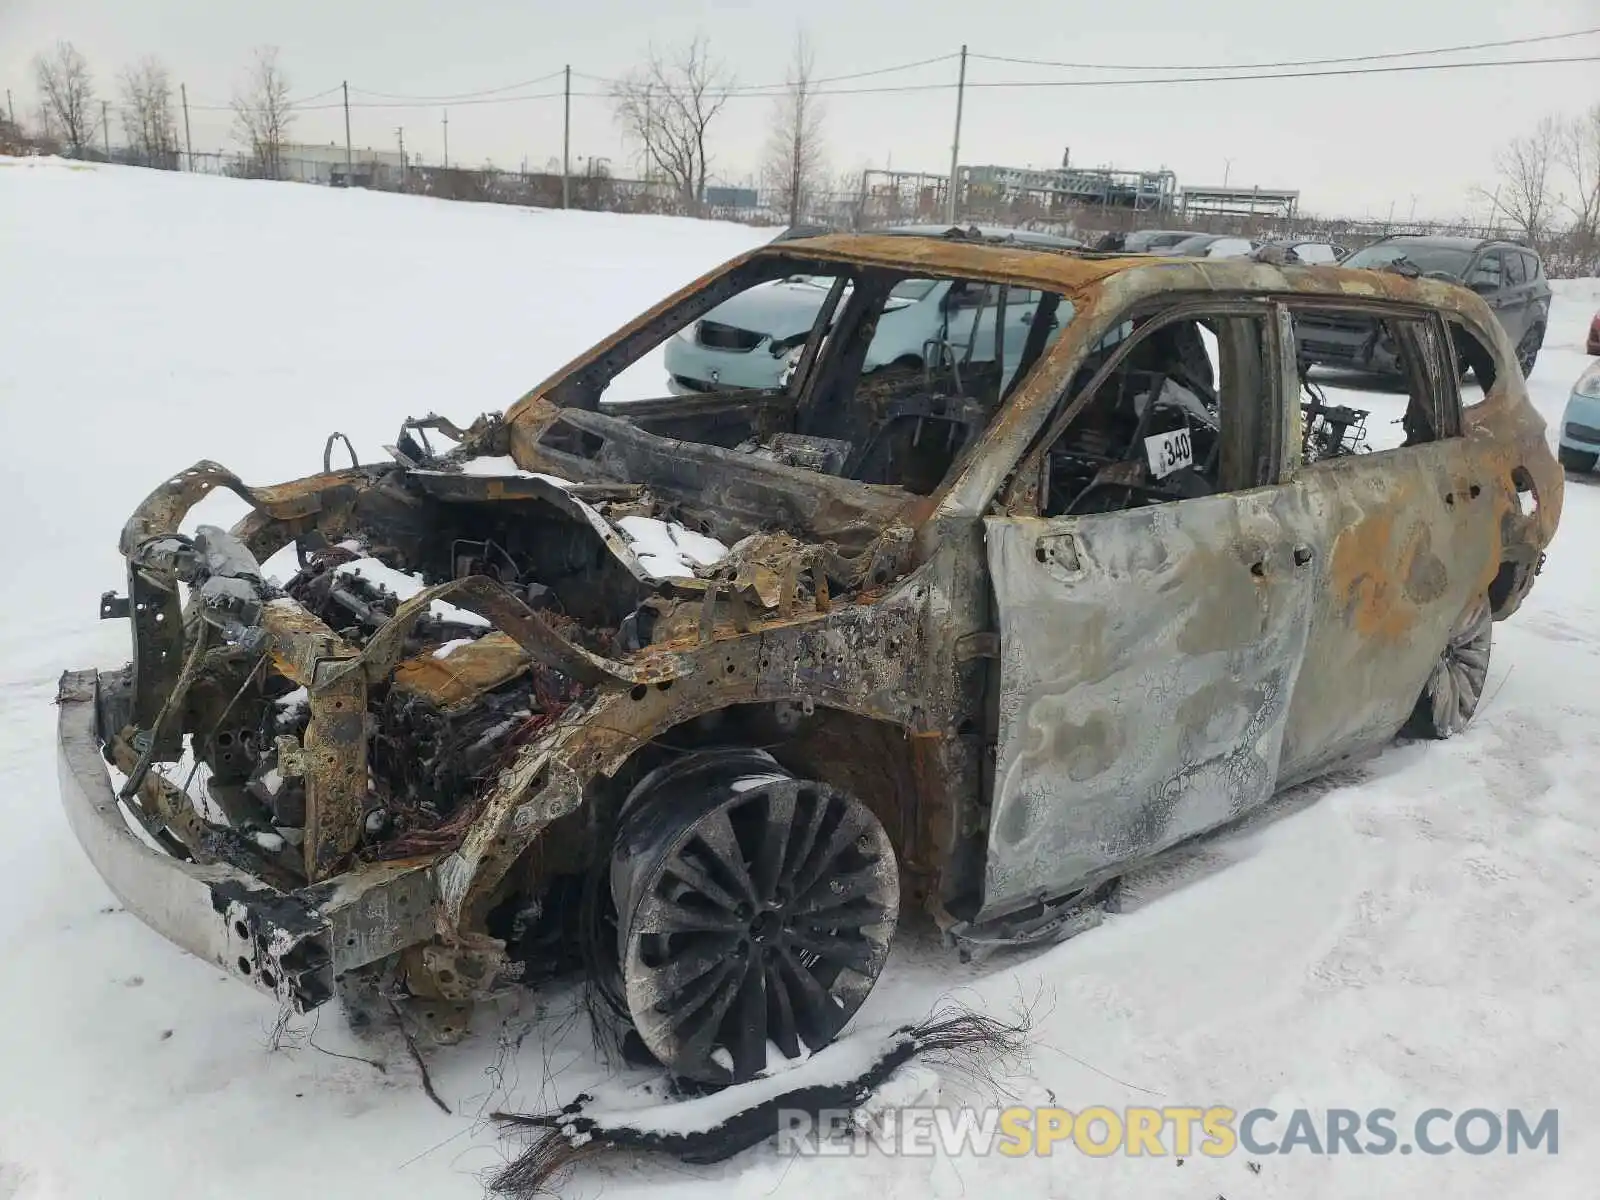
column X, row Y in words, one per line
column 1580, row 158
column 667, row 106
column 147, row 120
column 1523, row 166
column 262, row 113
column 793, row 166
column 66, row 94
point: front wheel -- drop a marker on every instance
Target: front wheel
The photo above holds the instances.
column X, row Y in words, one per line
column 754, row 910
column 1454, row 689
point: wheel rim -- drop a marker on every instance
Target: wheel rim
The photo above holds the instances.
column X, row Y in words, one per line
column 1456, row 686
column 1528, row 350
column 761, row 915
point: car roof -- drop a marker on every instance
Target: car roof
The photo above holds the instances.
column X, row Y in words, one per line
column 987, row 233
column 1441, row 240
column 1077, row 271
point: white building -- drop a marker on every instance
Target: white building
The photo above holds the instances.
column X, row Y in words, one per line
column 327, row 164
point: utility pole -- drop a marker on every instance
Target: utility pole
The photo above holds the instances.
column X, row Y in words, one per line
column 188, row 146
column 400, row 132
column 955, row 142
column 1227, row 166
column 105, row 128
column 349, row 166
column 10, row 107
column 447, row 139
column 566, row 142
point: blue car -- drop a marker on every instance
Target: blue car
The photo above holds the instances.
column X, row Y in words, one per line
column 1579, row 446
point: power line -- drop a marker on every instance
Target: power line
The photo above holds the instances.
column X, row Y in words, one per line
column 318, row 96
column 493, row 96
column 1307, row 62
column 767, row 88
column 456, row 96
column 1093, row 83
column 430, row 104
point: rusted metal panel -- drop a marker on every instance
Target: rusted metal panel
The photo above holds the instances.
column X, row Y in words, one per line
column 1403, row 546
column 1148, row 659
column 466, row 672
column 335, row 767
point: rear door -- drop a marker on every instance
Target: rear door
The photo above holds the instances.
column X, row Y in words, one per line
column 1400, row 538
column 1487, row 277
column 1517, row 310
column 1147, row 655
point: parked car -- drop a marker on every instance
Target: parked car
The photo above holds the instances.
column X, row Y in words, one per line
column 1211, row 245
column 1308, row 252
column 1153, row 241
column 1509, row 277
column 1579, row 440
column 694, row 696
column 752, row 340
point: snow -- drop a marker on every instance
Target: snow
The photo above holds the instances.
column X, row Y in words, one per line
column 850, row 1057
column 668, row 550
column 403, row 587
column 1422, row 932
column 450, row 647
column 503, row 465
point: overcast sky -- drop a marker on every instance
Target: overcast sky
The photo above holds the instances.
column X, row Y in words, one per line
column 1351, row 145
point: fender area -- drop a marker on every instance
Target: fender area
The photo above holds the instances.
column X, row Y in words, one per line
column 905, row 778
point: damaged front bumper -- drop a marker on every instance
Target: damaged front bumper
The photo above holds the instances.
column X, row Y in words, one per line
column 290, row 945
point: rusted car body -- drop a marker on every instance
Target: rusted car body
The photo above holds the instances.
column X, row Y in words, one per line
column 991, row 666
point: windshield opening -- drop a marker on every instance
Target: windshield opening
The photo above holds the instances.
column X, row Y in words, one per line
column 1448, row 259
column 859, row 372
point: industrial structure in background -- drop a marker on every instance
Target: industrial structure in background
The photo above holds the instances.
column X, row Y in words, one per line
column 1053, row 193
column 342, row 166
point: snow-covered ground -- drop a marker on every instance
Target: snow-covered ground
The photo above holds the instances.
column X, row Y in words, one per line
column 1424, row 932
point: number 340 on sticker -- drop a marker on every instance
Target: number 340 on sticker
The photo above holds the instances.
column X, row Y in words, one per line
column 1169, row 452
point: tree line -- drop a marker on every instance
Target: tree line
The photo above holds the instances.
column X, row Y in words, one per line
column 73, row 116
column 1547, row 184
column 666, row 108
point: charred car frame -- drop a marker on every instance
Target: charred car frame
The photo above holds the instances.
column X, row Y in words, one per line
column 697, row 694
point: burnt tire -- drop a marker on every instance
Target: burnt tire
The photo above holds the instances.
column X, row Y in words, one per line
column 1454, row 689
column 753, row 908
column 1576, row 460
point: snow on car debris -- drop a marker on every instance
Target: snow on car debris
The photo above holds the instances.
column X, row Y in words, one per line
column 668, row 550
column 404, row 586
column 503, row 466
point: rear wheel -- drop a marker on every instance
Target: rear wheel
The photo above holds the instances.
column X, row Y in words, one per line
column 1528, row 349
column 1454, row 689
column 1576, row 460
column 754, row 909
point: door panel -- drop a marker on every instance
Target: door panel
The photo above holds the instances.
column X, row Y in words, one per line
column 1147, row 662
column 1402, row 544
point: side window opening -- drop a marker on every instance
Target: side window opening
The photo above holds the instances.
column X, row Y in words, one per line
column 1472, row 354
column 1516, row 269
column 1487, row 275
column 1409, row 401
column 1155, row 419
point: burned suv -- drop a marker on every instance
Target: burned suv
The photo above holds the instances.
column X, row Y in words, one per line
column 695, row 696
